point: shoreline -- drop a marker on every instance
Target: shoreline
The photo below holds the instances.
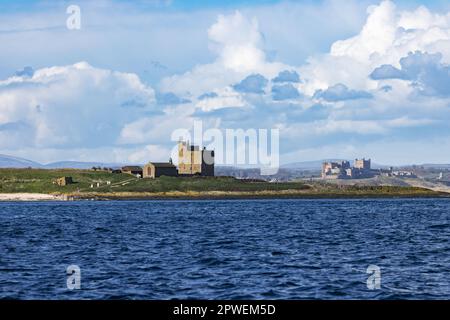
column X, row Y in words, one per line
column 26, row 197
column 215, row 195
column 39, row 185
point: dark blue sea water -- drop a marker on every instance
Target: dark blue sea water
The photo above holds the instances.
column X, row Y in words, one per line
column 243, row 249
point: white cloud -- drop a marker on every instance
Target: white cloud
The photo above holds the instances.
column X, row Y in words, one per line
column 238, row 44
column 86, row 108
column 343, row 74
column 70, row 106
column 388, row 35
column 149, row 152
column 237, row 41
column 377, row 35
column 225, row 97
column 157, row 129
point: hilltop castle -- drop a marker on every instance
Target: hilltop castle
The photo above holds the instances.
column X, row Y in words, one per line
column 342, row 170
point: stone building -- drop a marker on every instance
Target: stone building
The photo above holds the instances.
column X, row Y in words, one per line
column 343, row 170
column 158, row 169
column 335, row 170
column 64, row 181
column 134, row 170
column 194, row 161
column 362, row 164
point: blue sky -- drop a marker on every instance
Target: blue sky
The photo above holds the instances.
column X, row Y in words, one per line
column 370, row 77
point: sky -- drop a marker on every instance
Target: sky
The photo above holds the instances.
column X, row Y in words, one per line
column 337, row 78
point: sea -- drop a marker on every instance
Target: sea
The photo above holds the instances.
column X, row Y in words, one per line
column 226, row 249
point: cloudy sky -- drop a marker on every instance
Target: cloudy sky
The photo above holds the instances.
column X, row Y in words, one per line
column 338, row 78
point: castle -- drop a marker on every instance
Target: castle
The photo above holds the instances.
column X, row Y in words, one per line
column 191, row 161
column 343, row 170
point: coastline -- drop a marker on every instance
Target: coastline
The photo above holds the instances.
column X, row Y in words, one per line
column 39, row 185
column 219, row 195
column 216, row 195
column 31, row 197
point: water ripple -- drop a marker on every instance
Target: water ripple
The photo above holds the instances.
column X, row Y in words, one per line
column 240, row 249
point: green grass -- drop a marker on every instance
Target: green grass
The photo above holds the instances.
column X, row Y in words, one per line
column 378, row 191
column 41, row 181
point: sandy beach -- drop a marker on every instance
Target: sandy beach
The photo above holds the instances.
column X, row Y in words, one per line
column 29, row 197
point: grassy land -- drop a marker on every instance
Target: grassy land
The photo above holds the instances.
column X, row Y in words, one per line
column 41, row 181
column 126, row 186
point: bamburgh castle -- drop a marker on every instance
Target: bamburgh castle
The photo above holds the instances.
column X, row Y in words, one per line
column 342, row 170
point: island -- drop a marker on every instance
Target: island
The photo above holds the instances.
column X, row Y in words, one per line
column 82, row 184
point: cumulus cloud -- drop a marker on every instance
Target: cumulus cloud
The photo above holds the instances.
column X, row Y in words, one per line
column 169, row 98
column 388, row 35
column 377, row 36
column 284, row 92
column 287, row 76
column 208, row 95
column 25, row 72
column 359, row 83
column 254, row 83
column 340, row 92
column 237, row 41
column 70, row 106
column 238, row 45
column 426, row 72
column 386, row 88
column 387, row 71
column 224, row 98
column 389, row 80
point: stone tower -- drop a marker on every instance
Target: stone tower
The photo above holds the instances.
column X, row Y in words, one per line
column 193, row 161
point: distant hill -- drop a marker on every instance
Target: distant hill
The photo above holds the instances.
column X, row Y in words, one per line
column 309, row 165
column 317, row 165
column 80, row 165
column 435, row 166
column 283, row 174
column 16, row 162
